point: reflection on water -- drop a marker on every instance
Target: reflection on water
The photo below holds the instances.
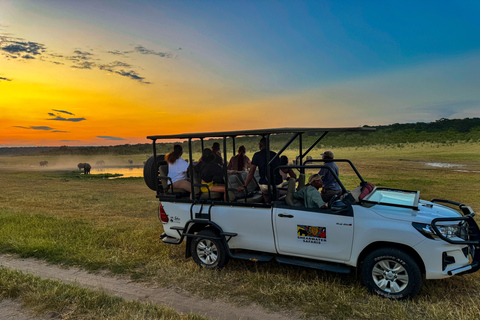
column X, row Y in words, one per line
column 125, row 172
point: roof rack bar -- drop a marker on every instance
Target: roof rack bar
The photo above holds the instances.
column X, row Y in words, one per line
column 314, row 144
column 284, row 147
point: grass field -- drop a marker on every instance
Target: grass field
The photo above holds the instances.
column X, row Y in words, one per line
column 63, row 217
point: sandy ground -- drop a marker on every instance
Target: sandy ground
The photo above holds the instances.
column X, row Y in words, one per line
column 182, row 302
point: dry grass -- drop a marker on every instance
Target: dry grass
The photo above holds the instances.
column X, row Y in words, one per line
column 96, row 224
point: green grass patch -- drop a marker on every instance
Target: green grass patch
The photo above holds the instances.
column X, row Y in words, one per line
column 111, row 224
column 61, row 301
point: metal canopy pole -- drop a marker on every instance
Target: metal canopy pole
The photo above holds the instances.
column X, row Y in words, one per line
column 284, row 147
column 315, row 143
column 225, row 167
column 191, row 168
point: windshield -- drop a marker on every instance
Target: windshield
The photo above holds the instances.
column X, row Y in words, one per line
column 394, row 197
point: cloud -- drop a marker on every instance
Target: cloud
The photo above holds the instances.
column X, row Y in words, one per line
column 20, row 49
column 110, row 138
column 132, row 75
column 36, row 127
column 58, row 118
column 119, row 53
column 60, row 131
column 143, row 50
column 61, row 111
column 16, row 48
column 115, row 64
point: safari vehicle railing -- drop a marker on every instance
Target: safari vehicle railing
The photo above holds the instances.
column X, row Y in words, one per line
column 297, row 133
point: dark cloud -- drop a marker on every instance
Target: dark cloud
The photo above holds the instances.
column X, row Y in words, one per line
column 35, row 127
column 111, row 66
column 119, row 53
column 60, row 131
column 51, row 114
column 110, row 138
column 19, row 49
column 62, row 111
column 132, row 75
column 143, row 50
column 58, row 118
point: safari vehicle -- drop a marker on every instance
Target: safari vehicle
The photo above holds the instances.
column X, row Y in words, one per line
column 390, row 237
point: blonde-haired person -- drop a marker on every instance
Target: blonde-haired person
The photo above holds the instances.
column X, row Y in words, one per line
column 310, row 195
column 177, row 169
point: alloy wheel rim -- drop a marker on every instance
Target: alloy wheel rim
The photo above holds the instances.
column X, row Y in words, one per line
column 390, row 276
column 207, row 251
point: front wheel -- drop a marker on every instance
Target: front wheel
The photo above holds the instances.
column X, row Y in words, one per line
column 391, row 273
column 208, row 252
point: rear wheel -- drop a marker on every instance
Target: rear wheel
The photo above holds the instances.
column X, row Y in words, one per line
column 391, row 273
column 208, row 252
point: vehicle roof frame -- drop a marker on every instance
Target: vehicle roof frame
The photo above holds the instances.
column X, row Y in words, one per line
column 266, row 133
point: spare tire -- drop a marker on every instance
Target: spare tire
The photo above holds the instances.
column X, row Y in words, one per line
column 150, row 172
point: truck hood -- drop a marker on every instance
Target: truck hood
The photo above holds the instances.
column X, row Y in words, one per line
column 427, row 211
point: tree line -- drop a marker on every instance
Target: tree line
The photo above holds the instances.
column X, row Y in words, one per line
column 439, row 131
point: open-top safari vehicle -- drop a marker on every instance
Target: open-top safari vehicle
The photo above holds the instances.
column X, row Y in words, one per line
column 392, row 238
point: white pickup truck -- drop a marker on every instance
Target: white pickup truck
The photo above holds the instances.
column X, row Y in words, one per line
column 390, row 237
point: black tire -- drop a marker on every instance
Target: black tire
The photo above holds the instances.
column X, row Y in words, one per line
column 391, row 273
column 208, row 253
column 150, row 173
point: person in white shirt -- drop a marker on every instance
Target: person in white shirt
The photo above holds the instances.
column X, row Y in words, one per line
column 177, row 169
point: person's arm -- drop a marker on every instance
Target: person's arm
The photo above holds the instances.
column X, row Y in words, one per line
column 292, row 174
column 249, row 177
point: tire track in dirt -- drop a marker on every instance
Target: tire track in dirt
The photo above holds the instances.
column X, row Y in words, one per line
column 182, row 302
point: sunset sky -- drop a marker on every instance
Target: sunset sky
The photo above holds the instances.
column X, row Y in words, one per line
column 96, row 72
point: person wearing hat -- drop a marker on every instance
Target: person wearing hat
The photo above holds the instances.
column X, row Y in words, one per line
column 330, row 185
column 309, row 195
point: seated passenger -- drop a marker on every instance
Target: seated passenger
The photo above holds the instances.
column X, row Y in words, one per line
column 310, row 195
column 260, row 160
column 177, row 169
column 217, row 153
column 240, row 162
column 210, row 172
column 286, row 174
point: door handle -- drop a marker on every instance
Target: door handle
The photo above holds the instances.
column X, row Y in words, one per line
column 285, row 215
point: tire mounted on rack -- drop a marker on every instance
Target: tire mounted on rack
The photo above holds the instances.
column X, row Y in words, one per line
column 150, row 173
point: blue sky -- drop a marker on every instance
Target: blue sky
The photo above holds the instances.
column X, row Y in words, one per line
column 207, row 65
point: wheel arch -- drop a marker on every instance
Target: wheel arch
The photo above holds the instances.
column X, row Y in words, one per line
column 384, row 244
column 197, row 226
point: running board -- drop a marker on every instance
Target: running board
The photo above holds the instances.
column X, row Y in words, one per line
column 315, row 265
column 258, row 257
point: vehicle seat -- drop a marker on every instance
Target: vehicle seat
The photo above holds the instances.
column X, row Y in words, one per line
column 289, row 199
column 253, row 193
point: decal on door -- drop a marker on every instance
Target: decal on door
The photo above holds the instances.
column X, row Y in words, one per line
column 311, row 234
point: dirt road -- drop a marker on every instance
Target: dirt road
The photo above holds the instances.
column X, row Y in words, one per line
column 182, row 302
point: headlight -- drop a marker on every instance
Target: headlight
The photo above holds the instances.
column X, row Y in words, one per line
column 450, row 231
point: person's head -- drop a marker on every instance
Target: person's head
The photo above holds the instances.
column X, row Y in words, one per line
column 327, row 155
column 175, row 154
column 262, row 143
column 315, row 181
column 207, row 155
column 283, row 160
column 242, row 150
column 216, row 147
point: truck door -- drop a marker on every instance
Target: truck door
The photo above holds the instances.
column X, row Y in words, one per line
column 313, row 233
